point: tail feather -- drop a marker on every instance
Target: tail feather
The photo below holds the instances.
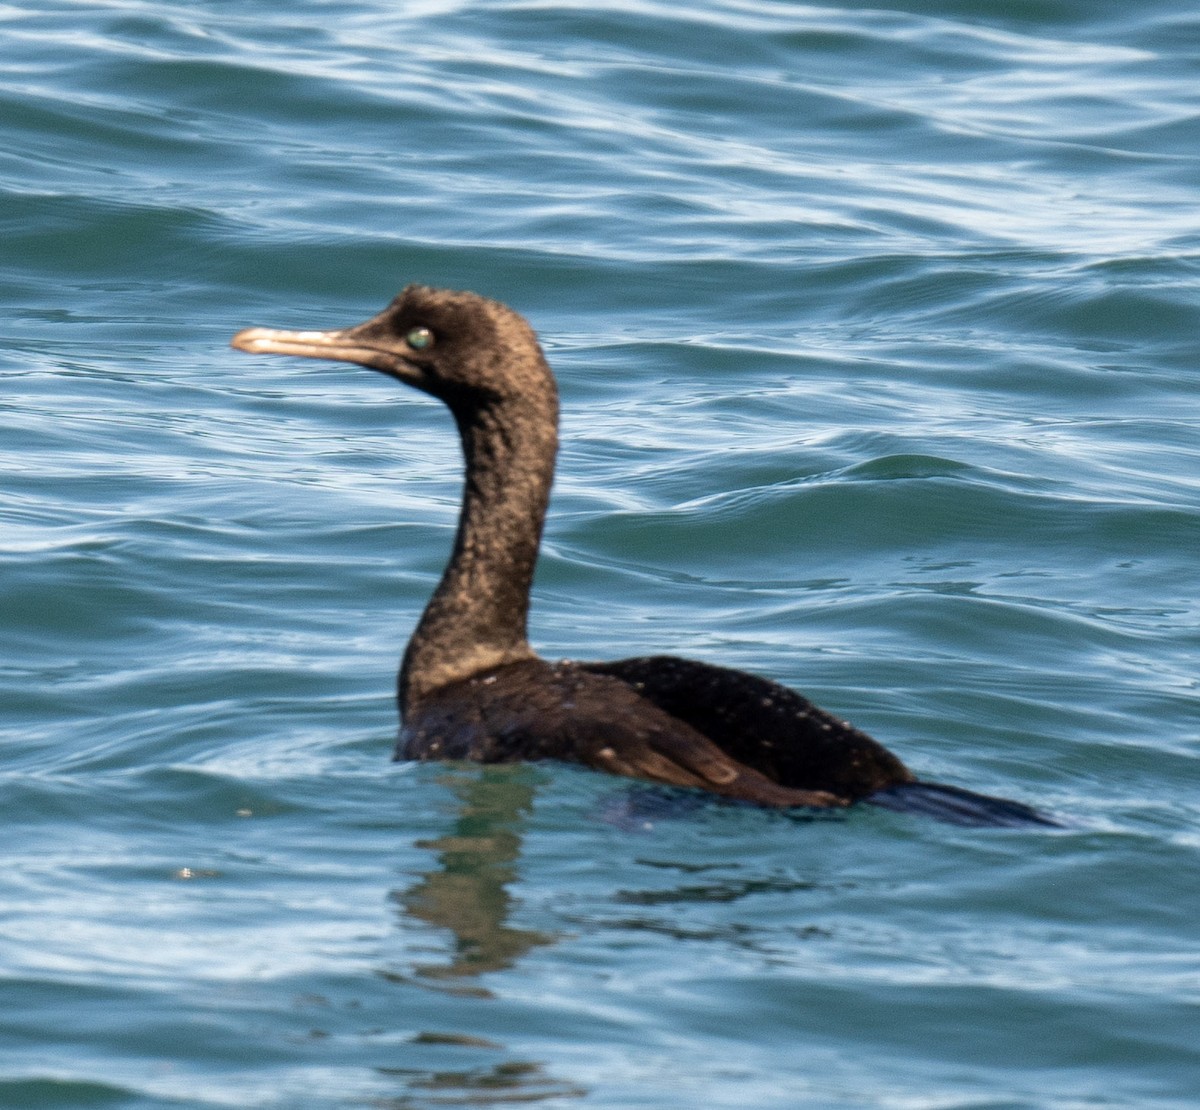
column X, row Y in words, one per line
column 956, row 806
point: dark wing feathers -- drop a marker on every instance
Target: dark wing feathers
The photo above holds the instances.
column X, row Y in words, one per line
column 763, row 725
column 535, row 710
column 683, row 723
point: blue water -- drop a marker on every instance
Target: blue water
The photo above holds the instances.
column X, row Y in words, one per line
column 877, row 336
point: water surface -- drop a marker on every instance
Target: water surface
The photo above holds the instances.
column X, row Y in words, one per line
column 876, row 334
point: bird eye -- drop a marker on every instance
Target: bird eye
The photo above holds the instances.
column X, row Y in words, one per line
column 419, row 338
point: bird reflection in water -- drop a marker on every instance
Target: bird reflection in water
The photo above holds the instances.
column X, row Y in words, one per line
column 467, row 893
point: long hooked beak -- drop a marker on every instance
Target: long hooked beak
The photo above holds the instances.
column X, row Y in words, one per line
column 366, row 344
column 341, row 344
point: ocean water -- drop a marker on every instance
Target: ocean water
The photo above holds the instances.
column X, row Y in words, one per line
column 877, row 334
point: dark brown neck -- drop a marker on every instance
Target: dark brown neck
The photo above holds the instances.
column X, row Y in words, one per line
column 476, row 618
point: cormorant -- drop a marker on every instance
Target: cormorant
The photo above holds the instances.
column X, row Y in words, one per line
column 471, row 686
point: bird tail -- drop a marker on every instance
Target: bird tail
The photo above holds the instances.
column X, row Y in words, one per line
column 956, row 806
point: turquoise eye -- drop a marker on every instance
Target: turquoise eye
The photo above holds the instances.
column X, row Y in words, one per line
column 419, row 338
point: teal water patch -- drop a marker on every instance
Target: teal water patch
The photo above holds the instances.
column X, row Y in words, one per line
column 875, row 332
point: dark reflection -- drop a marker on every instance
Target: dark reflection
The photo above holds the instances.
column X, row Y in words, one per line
column 503, row 1084
column 477, row 860
column 467, row 893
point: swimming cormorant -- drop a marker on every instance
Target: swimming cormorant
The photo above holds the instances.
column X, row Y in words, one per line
column 471, row 687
